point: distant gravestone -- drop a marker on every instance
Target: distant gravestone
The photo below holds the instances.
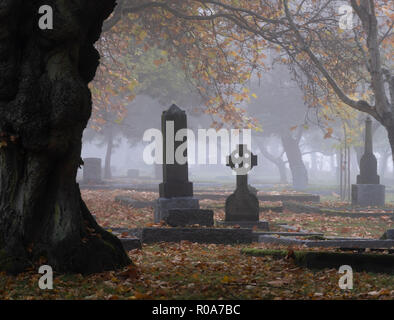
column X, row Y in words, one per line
column 242, row 207
column 176, row 191
column 368, row 191
column 92, row 171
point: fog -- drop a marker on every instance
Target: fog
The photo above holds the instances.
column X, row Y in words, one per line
column 293, row 148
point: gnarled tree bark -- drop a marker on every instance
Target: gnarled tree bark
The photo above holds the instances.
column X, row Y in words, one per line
column 45, row 105
column 296, row 163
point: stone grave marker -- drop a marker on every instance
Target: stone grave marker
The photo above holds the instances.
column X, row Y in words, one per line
column 368, row 191
column 242, row 207
column 92, row 171
column 176, row 203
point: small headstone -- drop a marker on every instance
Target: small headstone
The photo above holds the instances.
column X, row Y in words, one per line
column 368, row 191
column 242, row 207
column 92, row 171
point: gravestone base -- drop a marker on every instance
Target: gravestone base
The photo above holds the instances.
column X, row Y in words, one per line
column 261, row 225
column 365, row 195
column 189, row 217
column 163, row 205
column 242, row 206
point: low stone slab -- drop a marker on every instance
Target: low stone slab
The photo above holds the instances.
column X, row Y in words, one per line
column 188, row 217
column 199, row 235
column 131, row 243
column 262, row 225
column 289, row 234
column 352, row 244
column 290, row 197
column 381, row 263
column 127, row 201
column 296, row 207
column 346, row 244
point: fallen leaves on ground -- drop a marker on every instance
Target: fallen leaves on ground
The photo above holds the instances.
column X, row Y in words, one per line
column 201, row 271
column 188, row 270
column 110, row 213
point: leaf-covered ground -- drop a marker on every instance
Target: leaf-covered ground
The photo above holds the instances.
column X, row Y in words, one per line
column 192, row 271
column 112, row 214
column 205, row 271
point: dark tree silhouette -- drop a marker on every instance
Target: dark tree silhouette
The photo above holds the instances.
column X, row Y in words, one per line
column 45, row 105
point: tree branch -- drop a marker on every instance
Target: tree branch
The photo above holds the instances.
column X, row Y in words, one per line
column 360, row 105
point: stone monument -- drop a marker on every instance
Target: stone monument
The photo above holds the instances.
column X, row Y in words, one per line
column 92, row 171
column 176, row 205
column 242, row 207
column 368, row 191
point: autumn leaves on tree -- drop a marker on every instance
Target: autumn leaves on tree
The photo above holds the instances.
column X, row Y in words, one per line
column 220, row 43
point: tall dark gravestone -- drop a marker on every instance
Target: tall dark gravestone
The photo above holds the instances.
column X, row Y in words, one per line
column 176, row 205
column 242, row 207
column 175, row 176
column 368, row 191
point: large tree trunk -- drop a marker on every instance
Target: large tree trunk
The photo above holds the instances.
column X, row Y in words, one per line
column 44, row 107
column 108, row 155
column 280, row 164
column 296, row 164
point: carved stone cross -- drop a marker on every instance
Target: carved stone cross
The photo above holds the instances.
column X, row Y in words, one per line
column 242, row 161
